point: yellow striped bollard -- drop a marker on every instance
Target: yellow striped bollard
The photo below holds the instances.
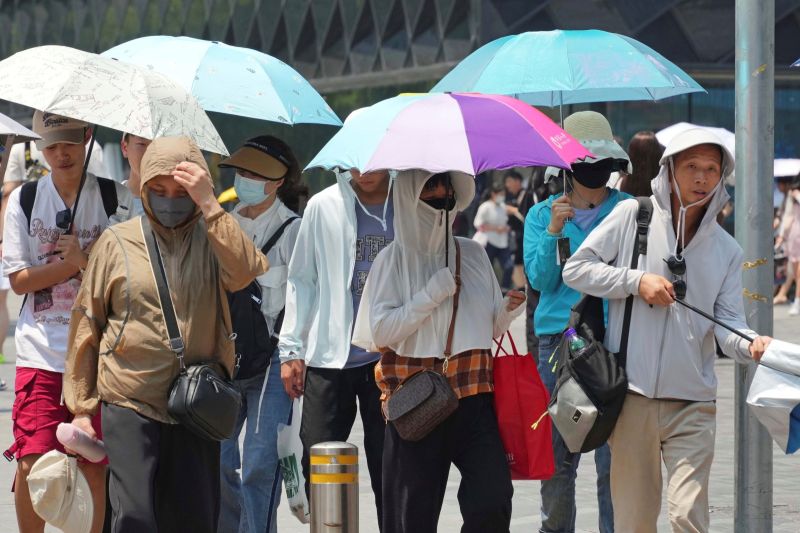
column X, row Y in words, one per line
column 334, row 488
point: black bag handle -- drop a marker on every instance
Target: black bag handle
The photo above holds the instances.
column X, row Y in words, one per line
column 176, row 343
column 643, row 217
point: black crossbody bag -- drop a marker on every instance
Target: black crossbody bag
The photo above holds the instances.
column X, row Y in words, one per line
column 200, row 399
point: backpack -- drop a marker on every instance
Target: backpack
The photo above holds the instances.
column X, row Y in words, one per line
column 108, row 192
column 254, row 348
column 591, row 387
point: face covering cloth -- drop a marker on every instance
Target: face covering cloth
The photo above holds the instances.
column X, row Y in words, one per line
column 170, row 212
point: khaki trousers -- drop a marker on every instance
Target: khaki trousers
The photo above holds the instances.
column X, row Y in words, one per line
column 679, row 433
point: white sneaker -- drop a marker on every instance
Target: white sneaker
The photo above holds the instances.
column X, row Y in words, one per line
column 794, row 309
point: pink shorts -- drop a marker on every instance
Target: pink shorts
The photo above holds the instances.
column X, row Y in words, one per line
column 38, row 411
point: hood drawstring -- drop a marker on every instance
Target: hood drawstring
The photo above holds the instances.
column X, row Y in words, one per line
column 680, row 231
column 382, row 219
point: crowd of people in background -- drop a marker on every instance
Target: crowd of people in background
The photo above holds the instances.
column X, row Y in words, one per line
column 357, row 293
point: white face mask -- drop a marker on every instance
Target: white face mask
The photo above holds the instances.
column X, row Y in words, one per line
column 249, row 191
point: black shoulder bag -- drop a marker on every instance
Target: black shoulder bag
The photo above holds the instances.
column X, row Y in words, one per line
column 199, row 398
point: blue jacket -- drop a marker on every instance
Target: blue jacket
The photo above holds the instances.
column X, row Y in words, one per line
column 544, row 274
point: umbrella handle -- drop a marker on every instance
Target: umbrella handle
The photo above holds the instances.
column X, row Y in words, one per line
column 83, row 180
column 716, row 321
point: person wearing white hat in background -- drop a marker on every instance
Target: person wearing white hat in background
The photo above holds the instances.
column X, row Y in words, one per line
column 570, row 218
column 669, row 412
column 60, row 493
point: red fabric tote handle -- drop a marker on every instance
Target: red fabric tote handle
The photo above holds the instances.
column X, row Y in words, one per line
column 499, row 343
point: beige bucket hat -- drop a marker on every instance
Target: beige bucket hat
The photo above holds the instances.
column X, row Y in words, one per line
column 60, row 493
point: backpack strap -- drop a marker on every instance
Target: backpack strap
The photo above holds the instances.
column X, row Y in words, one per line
column 276, row 329
column 643, row 217
column 277, row 235
column 108, row 192
column 27, row 197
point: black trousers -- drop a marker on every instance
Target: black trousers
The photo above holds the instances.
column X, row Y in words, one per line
column 415, row 473
column 163, row 478
column 329, row 410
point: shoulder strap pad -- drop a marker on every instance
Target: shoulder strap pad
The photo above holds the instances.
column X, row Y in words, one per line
column 643, row 217
column 108, row 192
column 27, row 197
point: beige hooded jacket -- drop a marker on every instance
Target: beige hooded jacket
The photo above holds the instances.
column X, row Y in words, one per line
column 119, row 350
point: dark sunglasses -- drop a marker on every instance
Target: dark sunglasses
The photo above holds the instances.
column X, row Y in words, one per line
column 677, row 266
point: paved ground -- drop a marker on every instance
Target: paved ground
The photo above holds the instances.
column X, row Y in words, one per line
column 526, row 497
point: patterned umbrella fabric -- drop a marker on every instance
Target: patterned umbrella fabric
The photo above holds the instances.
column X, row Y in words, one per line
column 468, row 133
column 568, row 67
column 109, row 93
column 230, row 79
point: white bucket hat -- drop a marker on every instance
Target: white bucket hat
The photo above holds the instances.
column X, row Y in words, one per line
column 593, row 131
column 695, row 137
column 60, row 493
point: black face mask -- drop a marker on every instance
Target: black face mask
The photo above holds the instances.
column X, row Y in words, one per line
column 439, row 204
column 593, row 175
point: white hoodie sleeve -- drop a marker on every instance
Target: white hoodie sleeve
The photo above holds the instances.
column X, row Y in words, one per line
column 301, row 290
column 729, row 308
column 390, row 320
column 601, row 266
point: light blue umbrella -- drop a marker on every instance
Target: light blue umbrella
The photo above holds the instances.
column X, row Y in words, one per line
column 568, row 67
column 230, row 79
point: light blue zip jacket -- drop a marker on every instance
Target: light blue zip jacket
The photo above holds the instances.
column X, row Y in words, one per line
column 543, row 271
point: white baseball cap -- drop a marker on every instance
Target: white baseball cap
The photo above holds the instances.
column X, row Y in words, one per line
column 57, row 129
column 60, row 493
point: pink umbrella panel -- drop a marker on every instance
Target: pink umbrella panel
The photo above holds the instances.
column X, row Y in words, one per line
column 465, row 132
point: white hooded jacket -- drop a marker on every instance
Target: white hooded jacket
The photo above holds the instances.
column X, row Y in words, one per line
column 671, row 349
column 397, row 309
column 319, row 307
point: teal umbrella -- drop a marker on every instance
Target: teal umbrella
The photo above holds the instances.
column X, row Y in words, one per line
column 230, row 79
column 558, row 67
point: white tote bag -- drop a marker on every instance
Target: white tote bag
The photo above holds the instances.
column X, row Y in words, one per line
column 774, row 395
column 290, row 453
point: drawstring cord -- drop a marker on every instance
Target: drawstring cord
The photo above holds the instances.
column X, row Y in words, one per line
column 680, row 230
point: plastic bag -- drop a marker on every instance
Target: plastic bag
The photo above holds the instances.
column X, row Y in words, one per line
column 290, row 454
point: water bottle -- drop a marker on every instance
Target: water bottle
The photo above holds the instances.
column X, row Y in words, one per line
column 576, row 343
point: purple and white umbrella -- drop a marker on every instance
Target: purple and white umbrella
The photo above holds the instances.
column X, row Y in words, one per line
column 464, row 132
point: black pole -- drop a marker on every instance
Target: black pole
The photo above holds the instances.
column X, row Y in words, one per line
column 447, row 223
column 83, row 180
column 714, row 320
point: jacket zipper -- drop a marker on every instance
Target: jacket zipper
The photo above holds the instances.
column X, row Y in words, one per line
column 661, row 354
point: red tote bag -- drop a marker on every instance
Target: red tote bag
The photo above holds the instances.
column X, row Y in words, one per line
column 520, row 402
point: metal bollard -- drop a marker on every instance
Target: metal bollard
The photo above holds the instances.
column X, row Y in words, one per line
column 334, row 488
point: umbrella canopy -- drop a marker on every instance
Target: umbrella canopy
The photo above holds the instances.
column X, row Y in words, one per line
column 105, row 92
column 11, row 133
column 468, row 133
column 230, row 79
column 786, row 168
column 796, row 63
column 727, row 137
column 568, row 67
column 11, row 128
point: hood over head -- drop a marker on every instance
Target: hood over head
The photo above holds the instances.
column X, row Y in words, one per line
column 160, row 159
column 664, row 185
column 418, row 226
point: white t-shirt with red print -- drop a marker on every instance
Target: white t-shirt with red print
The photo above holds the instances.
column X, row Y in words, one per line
column 43, row 324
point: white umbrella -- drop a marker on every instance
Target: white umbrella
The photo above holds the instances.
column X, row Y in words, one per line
column 785, row 168
column 105, row 92
column 11, row 133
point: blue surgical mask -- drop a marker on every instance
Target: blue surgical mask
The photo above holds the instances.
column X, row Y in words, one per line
column 170, row 212
column 249, row 191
